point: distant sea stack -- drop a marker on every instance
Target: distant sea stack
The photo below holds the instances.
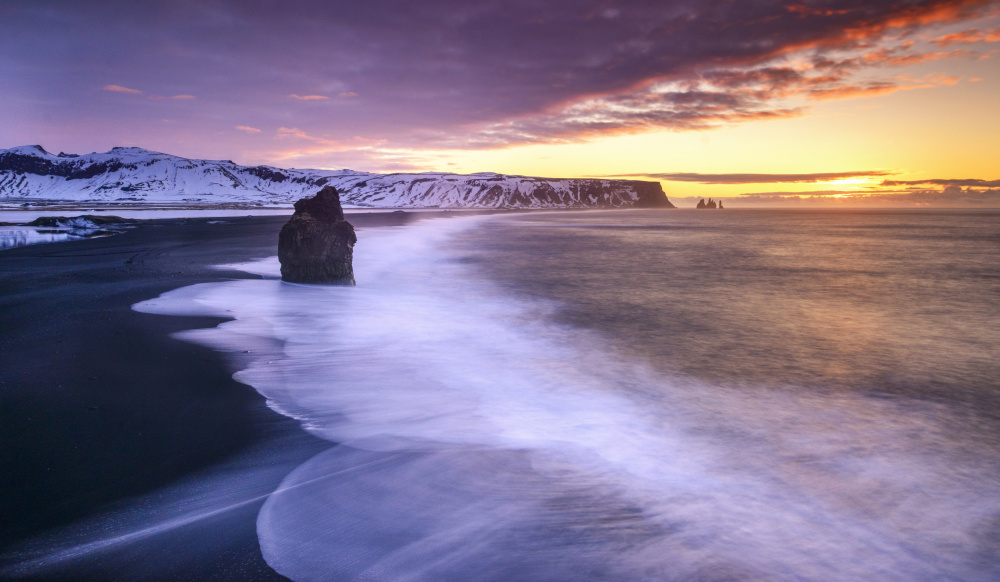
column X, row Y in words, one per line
column 710, row 204
column 317, row 245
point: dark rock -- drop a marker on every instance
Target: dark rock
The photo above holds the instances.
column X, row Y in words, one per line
column 701, row 203
column 650, row 194
column 266, row 173
column 317, row 245
column 17, row 163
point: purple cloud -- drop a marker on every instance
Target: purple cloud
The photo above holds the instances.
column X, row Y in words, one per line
column 120, row 89
column 440, row 73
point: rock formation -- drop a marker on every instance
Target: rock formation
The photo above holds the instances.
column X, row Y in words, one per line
column 317, row 245
column 31, row 176
column 710, row 204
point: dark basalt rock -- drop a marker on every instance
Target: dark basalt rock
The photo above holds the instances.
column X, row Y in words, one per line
column 70, row 169
column 650, row 195
column 317, row 245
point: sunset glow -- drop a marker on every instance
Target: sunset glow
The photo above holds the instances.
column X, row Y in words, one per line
column 500, row 290
column 547, row 89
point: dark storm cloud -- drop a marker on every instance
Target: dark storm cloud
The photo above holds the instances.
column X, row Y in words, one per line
column 761, row 178
column 444, row 73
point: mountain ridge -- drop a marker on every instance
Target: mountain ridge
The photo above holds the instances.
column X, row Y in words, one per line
column 133, row 175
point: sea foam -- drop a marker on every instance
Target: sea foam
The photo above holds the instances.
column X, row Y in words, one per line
column 480, row 440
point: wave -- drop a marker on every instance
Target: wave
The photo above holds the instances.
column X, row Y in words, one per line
column 478, row 439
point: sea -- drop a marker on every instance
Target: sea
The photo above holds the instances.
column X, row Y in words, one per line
column 635, row 395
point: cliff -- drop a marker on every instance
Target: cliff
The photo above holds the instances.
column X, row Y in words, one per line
column 29, row 174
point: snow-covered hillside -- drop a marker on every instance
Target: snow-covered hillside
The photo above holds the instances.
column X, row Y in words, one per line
column 29, row 174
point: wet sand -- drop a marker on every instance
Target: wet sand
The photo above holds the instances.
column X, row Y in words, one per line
column 99, row 405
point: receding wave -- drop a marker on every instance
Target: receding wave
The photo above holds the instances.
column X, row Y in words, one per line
column 480, row 440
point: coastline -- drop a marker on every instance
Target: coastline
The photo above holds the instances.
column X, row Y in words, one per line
column 100, row 405
column 564, row 464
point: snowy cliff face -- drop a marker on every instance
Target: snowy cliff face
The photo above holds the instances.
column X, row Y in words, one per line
column 135, row 175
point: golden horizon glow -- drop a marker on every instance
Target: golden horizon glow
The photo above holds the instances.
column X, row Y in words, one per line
column 944, row 131
column 905, row 105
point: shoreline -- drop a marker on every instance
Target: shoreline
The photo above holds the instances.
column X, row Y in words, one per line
column 576, row 435
column 100, row 405
column 19, row 216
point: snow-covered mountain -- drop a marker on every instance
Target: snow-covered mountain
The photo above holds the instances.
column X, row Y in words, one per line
column 29, row 174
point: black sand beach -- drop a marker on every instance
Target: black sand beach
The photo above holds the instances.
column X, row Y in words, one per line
column 98, row 404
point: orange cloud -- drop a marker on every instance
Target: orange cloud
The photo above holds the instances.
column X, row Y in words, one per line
column 247, row 129
column 308, row 97
column 698, row 178
column 905, row 83
column 183, row 97
column 311, row 146
column 967, row 37
column 887, row 57
column 294, row 132
column 120, row 89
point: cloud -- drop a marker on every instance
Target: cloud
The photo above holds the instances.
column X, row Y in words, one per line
column 492, row 73
column 296, row 133
column 312, row 146
column 120, row 89
column 358, row 153
column 945, row 182
column 760, row 178
column 895, row 56
column 247, row 129
column 949, row 197
column 364, row 159
column 972, row 35
column 309, row 97
column 811, row 193
column 637, row 113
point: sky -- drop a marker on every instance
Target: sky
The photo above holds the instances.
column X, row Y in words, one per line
column 803, row 103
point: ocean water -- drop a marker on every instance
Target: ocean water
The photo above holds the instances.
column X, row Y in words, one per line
column 16, row 236
column 635, row 395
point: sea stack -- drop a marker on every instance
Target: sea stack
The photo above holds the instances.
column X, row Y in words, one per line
column 317, row 245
